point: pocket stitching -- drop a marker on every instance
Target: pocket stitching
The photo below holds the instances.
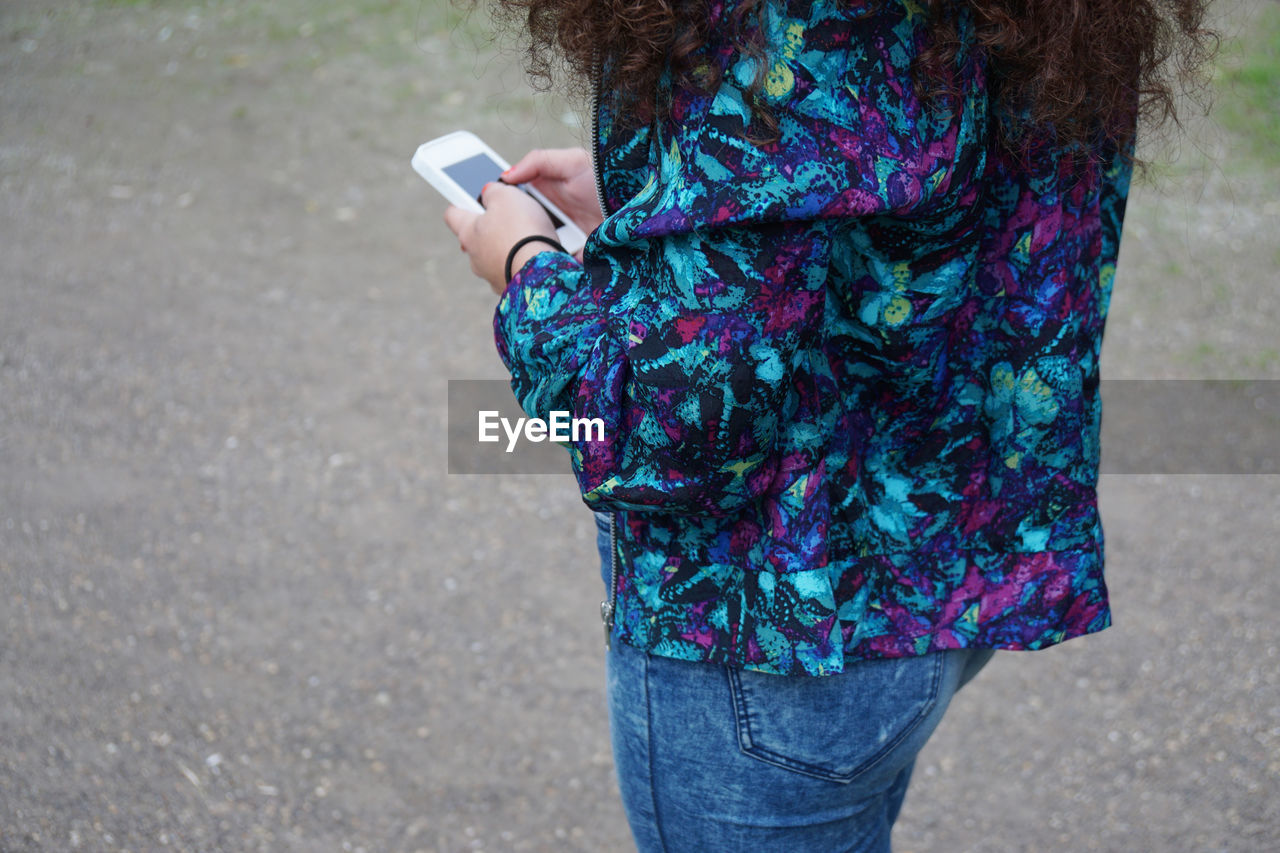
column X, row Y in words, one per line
column 747, row 747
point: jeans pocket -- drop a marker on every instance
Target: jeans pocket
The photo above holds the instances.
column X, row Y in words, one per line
column 870, row 720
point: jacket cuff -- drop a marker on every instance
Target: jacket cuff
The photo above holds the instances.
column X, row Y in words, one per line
column 537, row 270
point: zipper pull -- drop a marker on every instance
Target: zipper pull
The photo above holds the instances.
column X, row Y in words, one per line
column 606, row 616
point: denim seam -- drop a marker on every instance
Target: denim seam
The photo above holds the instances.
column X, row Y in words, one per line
column 739, row 710
column 648, row 743
column 747, row 745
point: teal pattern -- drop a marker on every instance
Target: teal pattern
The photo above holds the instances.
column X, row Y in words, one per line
column 849, row 379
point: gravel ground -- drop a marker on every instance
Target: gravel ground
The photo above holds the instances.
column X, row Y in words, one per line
column 242, row 605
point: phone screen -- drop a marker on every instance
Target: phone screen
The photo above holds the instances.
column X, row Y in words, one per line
column 474, row 172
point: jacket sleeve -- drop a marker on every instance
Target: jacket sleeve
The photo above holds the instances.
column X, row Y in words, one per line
column 703, row 297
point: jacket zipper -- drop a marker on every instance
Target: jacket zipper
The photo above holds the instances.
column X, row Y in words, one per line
column 608, row 606
column 595, row 134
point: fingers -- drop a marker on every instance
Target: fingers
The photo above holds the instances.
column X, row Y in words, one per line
column 495, row 189
column 511, row 209
column 546, row 164
column 460, row 222
column 528, row 168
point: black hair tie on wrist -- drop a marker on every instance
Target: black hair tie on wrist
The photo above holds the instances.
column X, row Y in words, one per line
column 524, row 241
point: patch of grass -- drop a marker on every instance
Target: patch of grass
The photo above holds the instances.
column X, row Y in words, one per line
column 390, row 32
column 1266, row 359
column 1248, row 87
column 1202, row 355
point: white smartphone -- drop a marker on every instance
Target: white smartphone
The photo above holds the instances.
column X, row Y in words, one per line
column 459, row 164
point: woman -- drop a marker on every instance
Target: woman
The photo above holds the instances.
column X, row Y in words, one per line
column 841, row 314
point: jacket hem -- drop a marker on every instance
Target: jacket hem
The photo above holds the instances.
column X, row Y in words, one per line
column 890, row 606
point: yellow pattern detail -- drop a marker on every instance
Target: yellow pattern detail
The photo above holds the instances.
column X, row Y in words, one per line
column 1107, row 276
column 901, row 275
column 1035, row 388
column 1002, row 378
column 781, row 80
column 797, row 488
column 897, row 311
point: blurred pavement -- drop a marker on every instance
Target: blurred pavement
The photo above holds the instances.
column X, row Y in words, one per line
column 242, row 605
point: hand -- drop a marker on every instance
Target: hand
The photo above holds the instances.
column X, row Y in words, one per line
column 566, row 176
column 509, row 214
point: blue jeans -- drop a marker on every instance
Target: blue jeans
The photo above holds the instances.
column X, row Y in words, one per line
column 711, row 757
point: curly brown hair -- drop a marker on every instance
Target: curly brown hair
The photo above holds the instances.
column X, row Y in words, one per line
column 1065, row 69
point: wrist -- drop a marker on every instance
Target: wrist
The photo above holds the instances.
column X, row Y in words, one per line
column 526, row 253
column 523, row 250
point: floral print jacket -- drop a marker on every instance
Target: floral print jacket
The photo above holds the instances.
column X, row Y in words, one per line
column 849, row 379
